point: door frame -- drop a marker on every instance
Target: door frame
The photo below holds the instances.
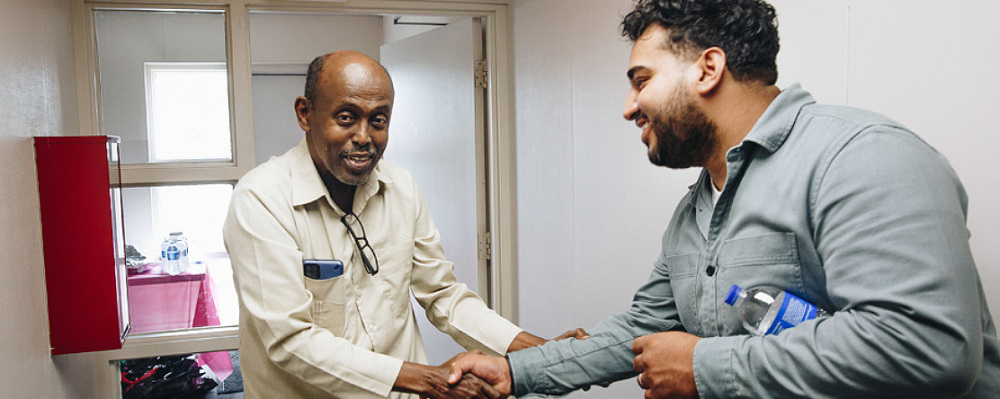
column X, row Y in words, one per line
column 501, row 211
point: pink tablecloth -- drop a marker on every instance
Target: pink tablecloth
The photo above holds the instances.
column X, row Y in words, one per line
column 161, row 302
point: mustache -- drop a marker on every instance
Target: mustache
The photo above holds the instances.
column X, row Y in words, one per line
column 639, row 117
column 361, row 150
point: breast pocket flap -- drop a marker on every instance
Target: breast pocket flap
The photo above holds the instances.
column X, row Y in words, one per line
column 771, row 248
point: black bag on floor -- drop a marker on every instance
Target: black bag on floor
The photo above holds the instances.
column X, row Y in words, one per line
column 164, row 377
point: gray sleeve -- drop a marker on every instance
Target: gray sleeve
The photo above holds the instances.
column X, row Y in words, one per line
column 888, row 217
column 559, row 367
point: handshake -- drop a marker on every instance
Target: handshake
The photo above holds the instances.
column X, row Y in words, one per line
column 467, row 375
column 662, row 360
column 491, row 371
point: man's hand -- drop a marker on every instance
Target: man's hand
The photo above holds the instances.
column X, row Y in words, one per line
column 665, row 364
column 525, row 339
column 578, row 333
column 433, row 382
column 490, row 368
column 469, row 386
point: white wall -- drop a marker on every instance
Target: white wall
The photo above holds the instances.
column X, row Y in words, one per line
column 592, row 209
column 36, row 98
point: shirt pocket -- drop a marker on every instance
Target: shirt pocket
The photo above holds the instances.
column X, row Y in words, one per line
column 395, row 265
column 329, row 303
column 767, row 259
column 683, row 269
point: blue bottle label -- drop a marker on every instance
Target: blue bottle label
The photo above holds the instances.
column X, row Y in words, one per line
column 172, row 253
column 793, row 311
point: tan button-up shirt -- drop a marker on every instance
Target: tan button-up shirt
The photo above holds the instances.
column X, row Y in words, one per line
column 344, row 337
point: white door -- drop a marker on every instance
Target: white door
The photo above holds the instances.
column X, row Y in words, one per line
column 437, row 133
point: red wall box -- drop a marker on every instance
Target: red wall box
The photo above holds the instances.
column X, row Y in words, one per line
column 79, row 190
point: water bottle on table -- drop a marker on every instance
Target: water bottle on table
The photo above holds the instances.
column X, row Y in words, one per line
column 174, row 253
column 769, row 310
column 182, row 242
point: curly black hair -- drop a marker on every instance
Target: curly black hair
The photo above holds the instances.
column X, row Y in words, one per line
column 746, row 30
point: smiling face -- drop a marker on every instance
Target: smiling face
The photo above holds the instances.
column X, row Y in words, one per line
column 661, row 101
column 347, row 124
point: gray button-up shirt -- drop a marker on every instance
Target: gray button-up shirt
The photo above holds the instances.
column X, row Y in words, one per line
column 842, row 207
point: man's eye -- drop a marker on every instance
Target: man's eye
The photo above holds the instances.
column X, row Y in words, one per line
column 345, row 118
column 380, row 121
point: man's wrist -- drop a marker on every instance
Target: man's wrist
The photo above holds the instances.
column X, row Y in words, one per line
column 413, row 378
column 524, row 340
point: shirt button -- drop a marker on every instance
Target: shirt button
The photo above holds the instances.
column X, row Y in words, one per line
column 710, row 270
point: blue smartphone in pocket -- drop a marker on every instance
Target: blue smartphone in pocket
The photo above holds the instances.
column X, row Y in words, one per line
column 317, row 269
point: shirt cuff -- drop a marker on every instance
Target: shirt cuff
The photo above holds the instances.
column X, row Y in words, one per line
column 520, row 374
column 492, row 332
column 507, row 335
column 713, row 367
column 382, row 371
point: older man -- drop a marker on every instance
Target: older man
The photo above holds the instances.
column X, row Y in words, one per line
column 326, row 244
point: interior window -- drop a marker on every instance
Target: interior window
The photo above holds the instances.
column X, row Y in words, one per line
column 165, row 91
column 164, row 88
column 190, row 285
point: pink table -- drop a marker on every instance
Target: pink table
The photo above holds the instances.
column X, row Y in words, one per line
column 161, row 302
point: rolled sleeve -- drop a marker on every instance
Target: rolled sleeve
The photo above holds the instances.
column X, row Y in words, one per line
column 450, row 305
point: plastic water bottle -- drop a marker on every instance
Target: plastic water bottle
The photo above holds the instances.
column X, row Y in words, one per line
column 769, row 310
column 170, row 254
column 174, row 253
column 182, row 246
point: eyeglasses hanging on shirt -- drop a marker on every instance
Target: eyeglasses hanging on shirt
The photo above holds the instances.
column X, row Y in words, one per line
column 364, row 248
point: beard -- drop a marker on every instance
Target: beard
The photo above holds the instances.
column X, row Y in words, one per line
column 684, row 136
column 349, row 173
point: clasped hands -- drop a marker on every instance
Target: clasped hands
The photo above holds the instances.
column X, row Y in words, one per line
column 663, row 360
column 436, row 382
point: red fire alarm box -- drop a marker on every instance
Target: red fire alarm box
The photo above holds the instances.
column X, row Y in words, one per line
column 79, row 190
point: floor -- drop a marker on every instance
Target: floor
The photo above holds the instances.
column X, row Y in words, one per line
column 160, row 386
column 232, row 386
column 213, row 395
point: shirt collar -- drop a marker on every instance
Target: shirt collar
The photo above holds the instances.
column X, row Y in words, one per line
column 774, row 125
column 771, row 129
column 307, row 185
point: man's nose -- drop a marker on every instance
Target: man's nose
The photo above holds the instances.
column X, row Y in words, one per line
column 631, row 110
column 363, row 134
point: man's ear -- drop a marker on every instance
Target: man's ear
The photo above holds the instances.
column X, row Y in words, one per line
column 302, row 110
column 711, row 66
